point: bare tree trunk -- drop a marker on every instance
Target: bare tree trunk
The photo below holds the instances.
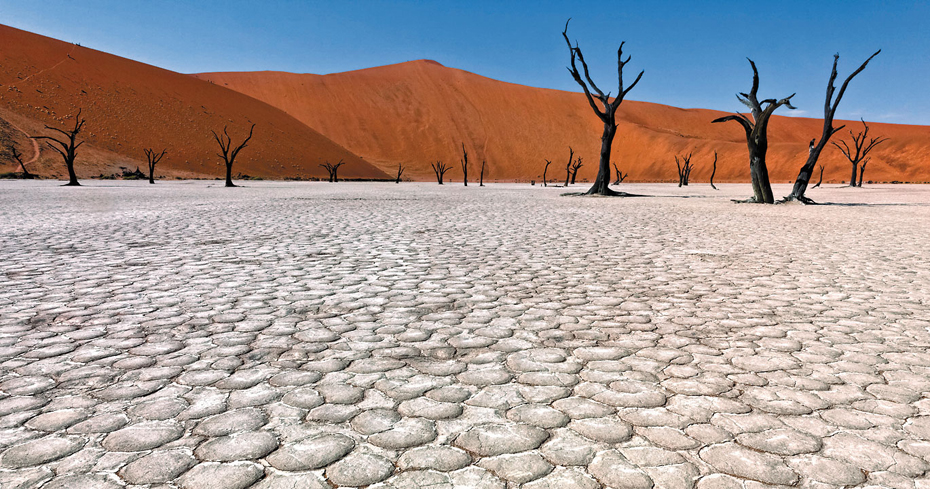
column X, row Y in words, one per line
column 545, row 170
column 228, row 153
column 607, row 115
column 757, row 136
column 830, row 105
column 465, row 165
column 153, row 159
column 713, row 172
column 481, row 175
column 862, row 172
column 440, row 169
column 69, row 147
column 14, row 152
column 400, row 171
column 575, row 167
column 852, row 179
column 568, row 166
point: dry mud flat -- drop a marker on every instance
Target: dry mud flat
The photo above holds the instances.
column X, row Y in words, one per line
column 311, row 335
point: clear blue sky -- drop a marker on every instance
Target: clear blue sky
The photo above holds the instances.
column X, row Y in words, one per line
column 693, row 51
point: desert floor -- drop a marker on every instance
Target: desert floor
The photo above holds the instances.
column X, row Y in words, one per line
column 312, row 335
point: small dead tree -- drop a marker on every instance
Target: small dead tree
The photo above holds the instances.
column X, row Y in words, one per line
column 862, row 150
column 684, row 169
column 568, row 166
column 620, row 176
column 862, row 171
column 575, row 166
column 481, row 175
column 332, row 170
column 821, row 177
column 400, row 171
column 14, row 152
column 440, row 169
column 228, row 152
column 153, row 159
column 829, row 110
column 713, row 172
column 545, row 170
column 607, row 115
column 464, row 163
column 757, row 136
column 69, row 146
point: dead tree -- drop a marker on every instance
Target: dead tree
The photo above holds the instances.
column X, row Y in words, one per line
column 713, row 172
column 333, row 170
column 575, row 166
column 440, row 168
column 620, row 176
column 228, row 152
column 153, row 159
column 68, row 150
column 568, row 166
column 821, row 177
column 862, row 149
column 757, row 137
column 400, row 171
column 829, row 110
column 481, row 175
column 862, row 171
column 545, row 170
column 684, row 169
column 464, row 163
column 607, row 115
column 14, row 152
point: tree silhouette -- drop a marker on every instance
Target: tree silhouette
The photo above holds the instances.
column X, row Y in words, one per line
column 14, row 152
column 607, row 115
column 684, row 169
column 757, row 137
column 400, row 171
column 153, row 159
column 228, row 152
column 862, row 149
column 545, row 170
column 440, row 168
column 829, row 110
column 333, row 170
column 69, row 146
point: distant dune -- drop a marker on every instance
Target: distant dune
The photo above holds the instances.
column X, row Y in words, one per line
column 418, row 112
column 130, row 106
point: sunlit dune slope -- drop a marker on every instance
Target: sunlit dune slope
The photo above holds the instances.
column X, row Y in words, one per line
column 418, row 112
column 130, row 106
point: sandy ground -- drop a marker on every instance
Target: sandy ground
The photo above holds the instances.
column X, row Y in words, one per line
column 313, row 335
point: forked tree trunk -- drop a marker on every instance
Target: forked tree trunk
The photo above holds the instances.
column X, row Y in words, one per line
column 862, row 172
column 830, row 106
column 69, row 146
column 607, row 115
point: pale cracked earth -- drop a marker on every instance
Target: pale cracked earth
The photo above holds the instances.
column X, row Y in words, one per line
column 312, row 335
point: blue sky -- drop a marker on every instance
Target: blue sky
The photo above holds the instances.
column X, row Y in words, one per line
column 694, row 52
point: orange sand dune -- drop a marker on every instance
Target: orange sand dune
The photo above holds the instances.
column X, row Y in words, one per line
column 130, row 106
column 417, row 112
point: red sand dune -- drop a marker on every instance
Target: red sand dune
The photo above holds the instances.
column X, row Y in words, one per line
column 418, row 112
column 130, row 106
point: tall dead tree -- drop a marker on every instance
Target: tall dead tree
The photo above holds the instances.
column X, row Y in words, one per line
column 545, row 170
column 400, row 171
column 575, row 167
column 829, row 110
column 862, row 171
column 756, row 136
column 713, row 172
column 228, row 152
column 464, row 163
column 607, row 115
column 821, row 177
column 481, row 175
column 69, row 146
column 440, row 168
column 684, row 169
column 153, row 159
column 862, row 149
column 333, row 170
column 14, row 152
